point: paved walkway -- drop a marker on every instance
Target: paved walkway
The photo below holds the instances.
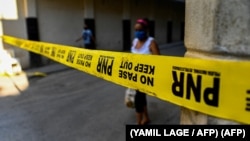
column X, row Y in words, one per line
column 69, row 105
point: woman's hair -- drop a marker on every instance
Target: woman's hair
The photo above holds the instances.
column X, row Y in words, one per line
column 144, row 22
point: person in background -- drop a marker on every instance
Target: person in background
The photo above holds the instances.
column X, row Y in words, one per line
column 143, row 44
column 87, row 37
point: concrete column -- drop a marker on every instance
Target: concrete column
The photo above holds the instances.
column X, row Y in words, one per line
column 152, row 10
column 126, row 25
column 1, row 26
column 18, row 81
column 1, row 34
column 216, row 29
column 126, row 10
column 8, row 11
column 89, row 16
column 89, row 9
column 30, row 8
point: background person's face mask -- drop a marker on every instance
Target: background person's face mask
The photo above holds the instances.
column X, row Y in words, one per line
column 140, row 35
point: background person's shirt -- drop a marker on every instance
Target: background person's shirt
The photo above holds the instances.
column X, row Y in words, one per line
column 145, row 49
column 87, row 36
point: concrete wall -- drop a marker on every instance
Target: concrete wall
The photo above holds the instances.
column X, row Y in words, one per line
column 108, row 16
column 61, row 21
column 160, row 12
column 17, row 28
column 168, row 11
column 216, row 29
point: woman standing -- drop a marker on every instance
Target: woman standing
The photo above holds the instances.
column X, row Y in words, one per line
column 143, row 44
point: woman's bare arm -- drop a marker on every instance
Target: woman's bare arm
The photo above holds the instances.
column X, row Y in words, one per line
column 154, row 48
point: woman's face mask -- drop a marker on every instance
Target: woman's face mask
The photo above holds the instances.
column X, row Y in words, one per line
column 140, row 34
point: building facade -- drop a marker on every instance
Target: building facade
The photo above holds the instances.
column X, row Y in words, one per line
column 112, row 21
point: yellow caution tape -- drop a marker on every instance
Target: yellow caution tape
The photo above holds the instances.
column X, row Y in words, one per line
column 217, row 88
column 38, row 74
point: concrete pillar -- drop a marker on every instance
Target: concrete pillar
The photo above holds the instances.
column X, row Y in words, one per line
column 89, row 15
column 1, row 26
column 8, row 11
column 1, row 34
column 89, row 9
column 216, row 29
column 126, row 25
column 126, row 10
column 152, row 10
column 30, row 8
column 17, row 81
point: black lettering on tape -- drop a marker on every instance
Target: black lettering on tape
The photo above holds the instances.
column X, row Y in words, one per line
column 248, row 101
column 126, row 65
column 80, row 56
column 88, row 57
column 80, row 62
column 128, row 75
column 212, row 73
column 105, row 65
column 87, row 64
column 83, row 63
column 47, row 50
column 195, row 89
column 147, row 80
column 182, row 69
column 121, row 74
column 60, row 53
column 53, row 52
column 144, row 68
column 41, row 49
column 84, row 60
column 151, row 70
column 71, row 56
column 210, row 94
column 200, row 71
column 177, row 86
